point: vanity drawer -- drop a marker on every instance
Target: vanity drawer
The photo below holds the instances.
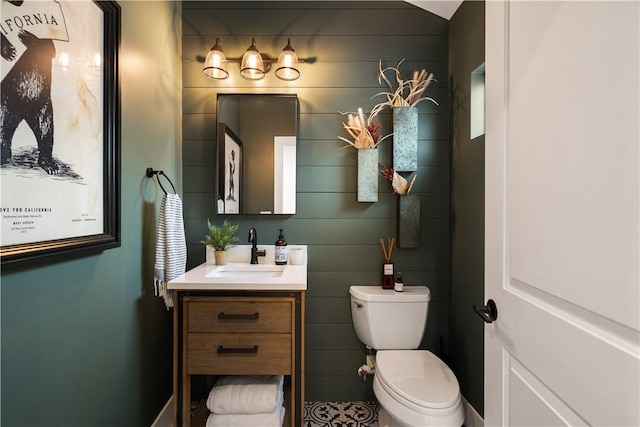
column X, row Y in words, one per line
column 239, row 354
column 239, row 315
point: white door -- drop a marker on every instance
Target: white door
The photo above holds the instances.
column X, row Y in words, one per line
column 562, row 213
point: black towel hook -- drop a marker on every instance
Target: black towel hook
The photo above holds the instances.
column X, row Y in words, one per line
column 151, row 172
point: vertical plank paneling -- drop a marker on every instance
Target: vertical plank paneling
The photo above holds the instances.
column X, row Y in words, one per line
column 347, row 40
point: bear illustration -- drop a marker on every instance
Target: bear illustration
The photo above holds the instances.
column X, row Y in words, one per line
column 25, row 94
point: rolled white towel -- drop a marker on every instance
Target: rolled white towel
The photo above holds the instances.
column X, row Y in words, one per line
column 246, row 394
column 274, row 419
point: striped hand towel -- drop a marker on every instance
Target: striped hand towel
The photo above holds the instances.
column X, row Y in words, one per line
column 171, row 246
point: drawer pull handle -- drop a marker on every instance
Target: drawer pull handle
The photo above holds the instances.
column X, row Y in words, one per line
column 253, row 349
column 223, row 316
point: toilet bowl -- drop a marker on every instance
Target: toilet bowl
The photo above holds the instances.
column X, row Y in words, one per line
column 414, row 387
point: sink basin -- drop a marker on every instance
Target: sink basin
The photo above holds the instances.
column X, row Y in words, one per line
column 248, row 271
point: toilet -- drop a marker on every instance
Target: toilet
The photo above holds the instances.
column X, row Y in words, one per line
column 414, row 387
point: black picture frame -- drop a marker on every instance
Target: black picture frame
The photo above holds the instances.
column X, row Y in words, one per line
column 230, row 180
column 25, row 255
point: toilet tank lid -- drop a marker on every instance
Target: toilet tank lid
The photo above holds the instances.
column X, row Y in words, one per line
column 377, row 294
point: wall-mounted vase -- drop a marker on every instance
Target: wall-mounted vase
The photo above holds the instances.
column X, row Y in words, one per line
column 368, row 175
column 409, row 221
column 405, row 139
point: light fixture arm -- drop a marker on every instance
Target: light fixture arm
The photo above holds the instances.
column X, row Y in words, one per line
column 267, row 57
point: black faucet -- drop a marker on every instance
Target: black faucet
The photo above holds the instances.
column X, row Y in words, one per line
column 255, row 253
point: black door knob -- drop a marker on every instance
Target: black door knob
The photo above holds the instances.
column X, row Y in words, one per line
column 489, row 312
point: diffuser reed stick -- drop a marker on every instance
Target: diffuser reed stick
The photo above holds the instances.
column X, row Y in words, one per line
column 387, row 253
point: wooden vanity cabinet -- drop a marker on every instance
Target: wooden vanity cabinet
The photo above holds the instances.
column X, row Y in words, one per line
column 238, row 333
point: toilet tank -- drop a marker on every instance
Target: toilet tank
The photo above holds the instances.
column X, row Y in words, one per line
column 387, row 320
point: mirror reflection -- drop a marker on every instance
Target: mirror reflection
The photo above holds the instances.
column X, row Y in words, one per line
column 257, row 136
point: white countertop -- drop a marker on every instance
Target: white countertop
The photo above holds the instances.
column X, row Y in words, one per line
column 203, row 277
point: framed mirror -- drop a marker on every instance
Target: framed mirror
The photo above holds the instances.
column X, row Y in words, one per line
column 257, row 139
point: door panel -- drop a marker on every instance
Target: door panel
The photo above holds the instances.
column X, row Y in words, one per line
column 541, row 408
column 572, row 158
column 562, row 213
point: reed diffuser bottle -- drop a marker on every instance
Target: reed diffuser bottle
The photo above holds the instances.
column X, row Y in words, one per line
column 387, row 267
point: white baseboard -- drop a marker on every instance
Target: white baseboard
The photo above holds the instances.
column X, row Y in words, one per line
column 165, row 417
column 471, row 416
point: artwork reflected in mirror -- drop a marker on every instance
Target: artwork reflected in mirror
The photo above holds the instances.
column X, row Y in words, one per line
column 261, row 130
column 231, row 153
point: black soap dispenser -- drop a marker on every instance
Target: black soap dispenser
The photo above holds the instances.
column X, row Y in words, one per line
column 281, row 254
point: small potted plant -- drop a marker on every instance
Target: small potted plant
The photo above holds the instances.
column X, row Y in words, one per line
column 221, row 238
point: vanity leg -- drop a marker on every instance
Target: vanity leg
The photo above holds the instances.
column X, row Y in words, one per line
column 186, row 400
column 176, row 366
column 184, row 375
column 181, row 380
column 300, row 372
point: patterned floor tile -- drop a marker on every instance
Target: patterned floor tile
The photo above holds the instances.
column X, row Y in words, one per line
column 341, row 414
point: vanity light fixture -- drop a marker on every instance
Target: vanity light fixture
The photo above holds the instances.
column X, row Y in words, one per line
column 215, row 63
column 286, row 68
column 253, row 64
column 252, row 67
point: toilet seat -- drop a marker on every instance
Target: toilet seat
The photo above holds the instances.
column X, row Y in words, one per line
column 419, row 380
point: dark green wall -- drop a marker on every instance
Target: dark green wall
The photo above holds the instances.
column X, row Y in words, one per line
column 347, row 39
column 85, row 342
column 466, row 53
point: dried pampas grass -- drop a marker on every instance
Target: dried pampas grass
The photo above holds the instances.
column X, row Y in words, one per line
column 364, row 130
column 408, row 93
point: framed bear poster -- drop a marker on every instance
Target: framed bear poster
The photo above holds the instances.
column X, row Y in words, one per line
column 60, row 130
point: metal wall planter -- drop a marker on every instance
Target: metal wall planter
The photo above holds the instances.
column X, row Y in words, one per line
column 368, row 175
column 409, row 221
column 405, row 139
